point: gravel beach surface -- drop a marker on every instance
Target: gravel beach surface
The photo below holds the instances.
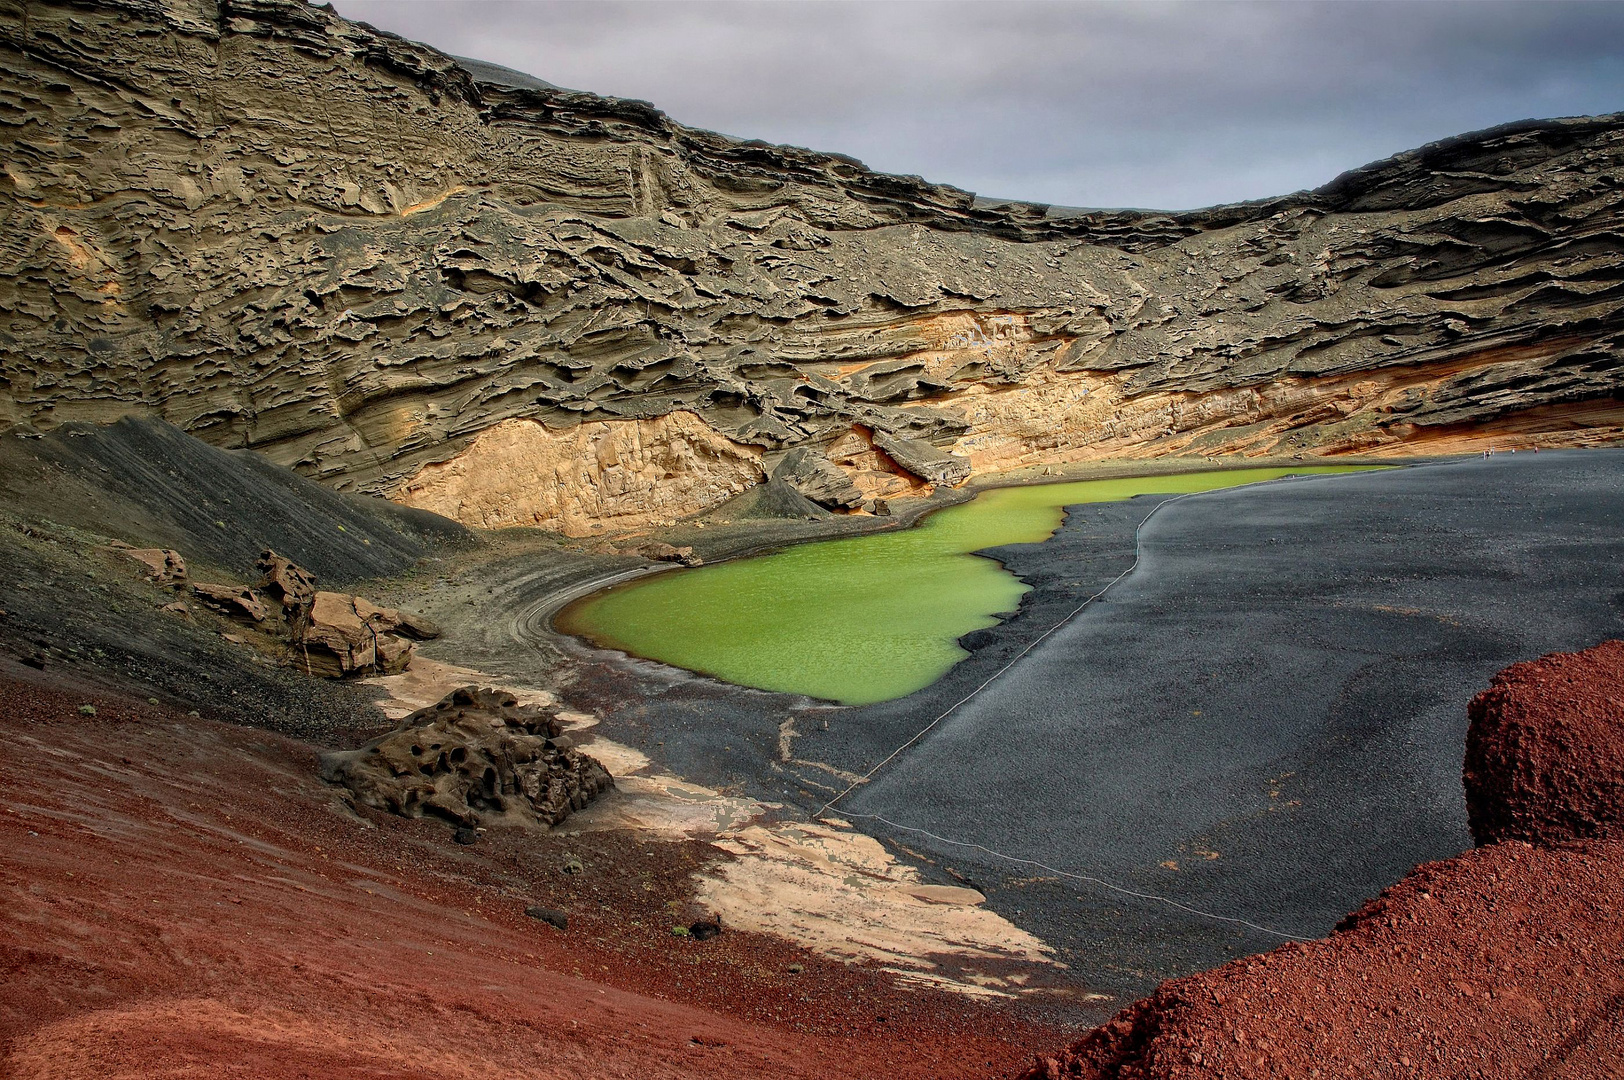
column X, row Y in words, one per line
column 1263, row 722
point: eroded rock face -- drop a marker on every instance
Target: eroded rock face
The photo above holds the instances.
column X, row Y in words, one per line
column 617, row 475
column 1545, row 750
column 285, row 581
column 477, row 757
column 345, row 635
column 283, row 230
column 328, row 634
column 234, row 601
column 165, row 566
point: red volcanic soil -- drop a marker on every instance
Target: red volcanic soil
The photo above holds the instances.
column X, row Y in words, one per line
column 185, row 898
column 1545, row 751
column 1506, row 961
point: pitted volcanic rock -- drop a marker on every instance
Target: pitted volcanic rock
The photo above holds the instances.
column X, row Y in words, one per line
column 1545, row 750
column 475, row 757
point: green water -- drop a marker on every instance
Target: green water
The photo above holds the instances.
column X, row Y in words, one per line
column 859, row 620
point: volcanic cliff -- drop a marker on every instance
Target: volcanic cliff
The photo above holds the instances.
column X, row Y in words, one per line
column 280, row 229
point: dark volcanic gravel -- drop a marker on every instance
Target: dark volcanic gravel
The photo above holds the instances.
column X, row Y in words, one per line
column 1265, row 721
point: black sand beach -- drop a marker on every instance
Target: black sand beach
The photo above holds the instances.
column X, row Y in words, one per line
column 1263, row 722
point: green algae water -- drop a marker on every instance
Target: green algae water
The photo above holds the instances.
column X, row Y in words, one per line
column 863, row 619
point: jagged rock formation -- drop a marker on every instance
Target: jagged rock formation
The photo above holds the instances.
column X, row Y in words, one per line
column 477, row 756
column 165, row 565
column 1506, row 961
column 328, row 634
column 517, row 304
column 335, row 635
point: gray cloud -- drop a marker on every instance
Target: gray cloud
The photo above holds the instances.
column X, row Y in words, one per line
column 1169, row 105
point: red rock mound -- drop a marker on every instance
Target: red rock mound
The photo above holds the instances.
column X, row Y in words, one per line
column 1545, row 751
column 1500, row 962
column 1507, row 961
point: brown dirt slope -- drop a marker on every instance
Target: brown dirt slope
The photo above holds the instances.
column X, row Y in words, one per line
column 1506, row 961
column 184, row 898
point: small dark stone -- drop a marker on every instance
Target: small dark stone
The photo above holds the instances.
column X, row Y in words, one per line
column 704, row 931
column 550, row 916
column 465, row 835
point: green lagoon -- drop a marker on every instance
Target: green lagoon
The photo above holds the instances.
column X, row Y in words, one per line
column 863, row 619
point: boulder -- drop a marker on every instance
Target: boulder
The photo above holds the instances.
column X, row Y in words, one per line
column 924, row 460
column 337, row 634
column 236, row 601
column 663, row 552
column 344, row 635
column 286, row 581
column 551, row 916
column 815, row 477
column 164, row 565
column 477, row 757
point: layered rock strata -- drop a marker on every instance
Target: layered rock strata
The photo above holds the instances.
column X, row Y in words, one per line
column 517, row 304
column 476, row 757
column 1507, row 961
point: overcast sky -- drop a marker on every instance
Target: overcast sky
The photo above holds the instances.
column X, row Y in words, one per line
column 1165, row 105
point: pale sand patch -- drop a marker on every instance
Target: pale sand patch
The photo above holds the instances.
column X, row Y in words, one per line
column 426, row 681
column 666, row 806
column 833, row 890
column 841, row 894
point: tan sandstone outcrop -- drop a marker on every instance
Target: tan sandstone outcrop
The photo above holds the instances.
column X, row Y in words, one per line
column 282, row 230
column 615, row 474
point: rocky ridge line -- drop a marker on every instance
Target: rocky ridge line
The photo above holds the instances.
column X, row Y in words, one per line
column 283, row 230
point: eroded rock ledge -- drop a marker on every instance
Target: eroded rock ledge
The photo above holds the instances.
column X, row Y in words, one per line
column 1507, row 961
column 283, row 230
